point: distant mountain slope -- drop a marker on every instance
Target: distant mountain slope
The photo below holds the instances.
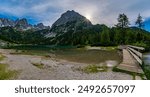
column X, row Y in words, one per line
column 71, row 29
column 23, row 37
column 21, row 24
column 6, row 22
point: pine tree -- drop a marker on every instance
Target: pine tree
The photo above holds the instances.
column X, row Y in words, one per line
column 123, row 21
column 139, row 21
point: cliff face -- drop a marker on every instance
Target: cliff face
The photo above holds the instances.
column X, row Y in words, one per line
column 70, row 21
column 21, row 24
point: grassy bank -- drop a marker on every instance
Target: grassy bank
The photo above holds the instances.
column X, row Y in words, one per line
column 1, row 57
column 133, row 74
column 38, row 65
column 93, row 69
column 41, row 50
column 146, row 69
column 5, row 73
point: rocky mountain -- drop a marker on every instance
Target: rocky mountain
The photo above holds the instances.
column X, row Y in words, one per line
column 70, row 21
column 41, row 26
column 71, row 16
column 21, row 24
column 70, row 29
column 6, row 22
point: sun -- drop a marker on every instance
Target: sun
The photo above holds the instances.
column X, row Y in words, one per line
column 88, row 16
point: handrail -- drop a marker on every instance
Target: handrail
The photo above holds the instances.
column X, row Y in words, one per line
column 136, row 47
column 135, row 56
column 136, row 52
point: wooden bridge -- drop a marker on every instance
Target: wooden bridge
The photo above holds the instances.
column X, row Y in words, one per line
column 132, row 59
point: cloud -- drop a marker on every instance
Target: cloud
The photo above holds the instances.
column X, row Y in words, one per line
column 101, row 11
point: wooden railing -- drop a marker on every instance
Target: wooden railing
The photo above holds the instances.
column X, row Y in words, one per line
column 135, row 52
column 136, row 47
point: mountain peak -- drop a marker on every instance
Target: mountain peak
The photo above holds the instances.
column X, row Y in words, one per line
column 70, row 21
column 41, row 26
column 70, row 16
column 71, row 11
column 22, row 21
column 21, row 24
column 6, row 22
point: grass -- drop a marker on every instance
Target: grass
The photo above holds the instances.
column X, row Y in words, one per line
column 22, row 52
column 1, row 57
column 133, row 74
column 146, row 69
column 6, row 74
column 94, row 69
column 109, row 48
column 38, row 65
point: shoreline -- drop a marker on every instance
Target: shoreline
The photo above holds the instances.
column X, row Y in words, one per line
column 54, row 69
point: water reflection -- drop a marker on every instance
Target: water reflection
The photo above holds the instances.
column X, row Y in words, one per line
column 147, row 58
column 89, row 56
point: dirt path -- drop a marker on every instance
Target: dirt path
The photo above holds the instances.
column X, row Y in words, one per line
column 54, row 69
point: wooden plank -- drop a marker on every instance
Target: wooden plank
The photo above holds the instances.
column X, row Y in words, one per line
column 136, row 57
column 136, row 52
column 129, row 63
column 136, row 47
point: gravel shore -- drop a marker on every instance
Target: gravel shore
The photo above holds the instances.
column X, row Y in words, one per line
column 54, row 69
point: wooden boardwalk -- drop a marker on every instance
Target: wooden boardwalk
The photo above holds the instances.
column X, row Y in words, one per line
column 129, row 63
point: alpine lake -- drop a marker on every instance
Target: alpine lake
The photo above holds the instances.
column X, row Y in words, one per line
column 86, row 55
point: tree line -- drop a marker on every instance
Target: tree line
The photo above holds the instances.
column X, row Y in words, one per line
column 98, row 35
column 102, row 35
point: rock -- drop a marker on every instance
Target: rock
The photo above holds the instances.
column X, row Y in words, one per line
column 40, row 26
column 71, row 16
column 6, row 22
column 111, row 63
column 21, row 24
column 70, row 21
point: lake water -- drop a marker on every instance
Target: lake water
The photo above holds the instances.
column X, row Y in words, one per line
column 81, row 55
column 147, row 58
column 88, row 56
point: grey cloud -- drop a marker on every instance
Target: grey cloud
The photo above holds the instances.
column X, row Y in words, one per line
column 101, row 11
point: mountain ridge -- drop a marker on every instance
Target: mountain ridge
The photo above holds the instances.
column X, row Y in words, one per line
column 21, row 24
column 72, row 29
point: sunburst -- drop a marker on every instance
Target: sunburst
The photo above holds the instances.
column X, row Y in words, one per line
column 88, row 16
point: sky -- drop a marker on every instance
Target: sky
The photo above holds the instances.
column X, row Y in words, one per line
column 97, row 11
